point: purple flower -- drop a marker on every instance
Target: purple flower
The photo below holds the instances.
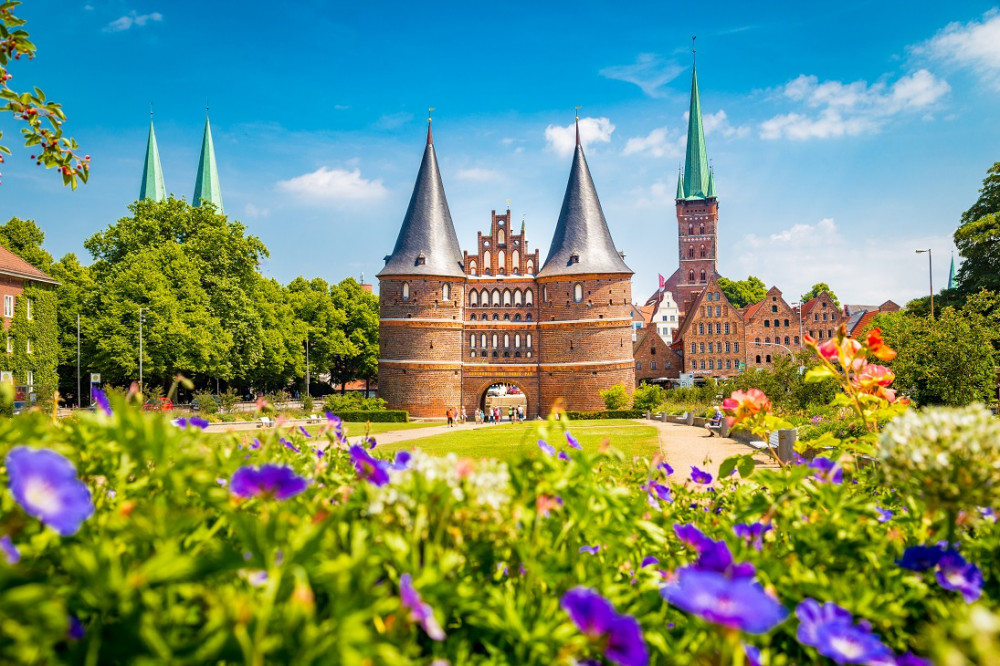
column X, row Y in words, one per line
column 304, row 432
column 573, row 441
column 593, row 550
column 45, row 485
column 753, row 654
column 98, row 398
column 884, row 515
column 921, row 558
column 563, row 455
column 370, row 441
column 401, row 461
column 338, row 425
column 369, row 468
column 738, row 603
column 698, row 476
column 665, row 468
column 752, row 533
column 75, row 631
column 715, row 556
column 546, row 448
column 275, row 481
column 502, row 568
column 420, row 610
column 797, row 459
column 319, row 452
column 10, row 552
column 222, row 481
column 910, row 659
column 827, row 470
column 620, row 635
column 832, row 631
column 955, row 574
column 646, row 561
column 256, row 444
column 198, row 422
column 692, row 536
column 289, row 445
column 988, row 513
column 657, row 491
column 816, row 419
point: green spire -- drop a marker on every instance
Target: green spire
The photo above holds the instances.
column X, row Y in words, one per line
column 680, row 184
column 951, row 273
column 152, row 174
column 696, row 173
column 206, row 185
column 711, row 185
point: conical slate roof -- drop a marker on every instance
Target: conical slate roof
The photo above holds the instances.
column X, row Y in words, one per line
column 206, row 184
column 427, row 243
column 152, row 174
column 582, row 242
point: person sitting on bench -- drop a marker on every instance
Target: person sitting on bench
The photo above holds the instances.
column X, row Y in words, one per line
column 714, row 425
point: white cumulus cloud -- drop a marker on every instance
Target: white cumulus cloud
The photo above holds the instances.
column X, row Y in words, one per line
column 477, row 175
column 334, row 184
column 660, row 142
column 650, row 72
column 592, row 130
column 132, row 19
column 834, row 109
column 975, row 45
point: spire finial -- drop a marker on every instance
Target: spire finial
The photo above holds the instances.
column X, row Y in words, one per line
column 694, row 52
column 430, row 138
column 150, row 112
column 577, row 110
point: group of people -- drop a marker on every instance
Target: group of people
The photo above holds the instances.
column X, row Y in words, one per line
column 454, row 415
column 496, row 414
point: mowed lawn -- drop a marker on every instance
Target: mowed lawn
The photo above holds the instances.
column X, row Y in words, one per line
column 351, row 429
column 506, row 440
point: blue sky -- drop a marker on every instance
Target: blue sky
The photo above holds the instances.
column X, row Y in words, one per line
column 843, row 137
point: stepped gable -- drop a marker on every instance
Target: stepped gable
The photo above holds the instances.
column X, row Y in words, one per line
column 427, row 243
column 582, row 243
column 206, row 184
column 152, row 186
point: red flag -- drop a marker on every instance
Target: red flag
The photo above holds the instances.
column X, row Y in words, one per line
column 663, row 283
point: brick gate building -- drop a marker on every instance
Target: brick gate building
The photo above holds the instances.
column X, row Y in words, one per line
column 454, row 323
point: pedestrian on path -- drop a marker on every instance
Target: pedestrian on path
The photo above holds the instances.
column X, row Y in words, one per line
column 451, row 417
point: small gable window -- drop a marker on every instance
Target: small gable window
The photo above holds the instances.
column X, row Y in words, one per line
column 421, row 259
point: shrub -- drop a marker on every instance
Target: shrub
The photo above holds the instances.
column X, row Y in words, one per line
column 606, row 414
column 228, row 400
column 375, row 416
column 648, row 397
column 352, row 401
column 207, row 403
column 307, row 402
column 615, row 397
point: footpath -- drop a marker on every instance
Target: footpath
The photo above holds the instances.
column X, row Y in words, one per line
column 683, row 446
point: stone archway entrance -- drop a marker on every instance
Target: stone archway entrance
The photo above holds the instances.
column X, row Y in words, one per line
column 510, row 399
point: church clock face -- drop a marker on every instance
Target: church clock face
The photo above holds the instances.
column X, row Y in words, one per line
column 499, row 223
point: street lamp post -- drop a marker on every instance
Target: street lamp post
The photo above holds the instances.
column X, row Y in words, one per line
column 801, row 337
column 930, row 275
column 141, row 318
column 79, row 394
column 307, row 363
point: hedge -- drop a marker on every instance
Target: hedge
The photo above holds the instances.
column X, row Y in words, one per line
column 606, row 414
column 376, row 416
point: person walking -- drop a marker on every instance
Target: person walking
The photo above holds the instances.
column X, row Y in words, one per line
column 465, row 417
column 451, row 417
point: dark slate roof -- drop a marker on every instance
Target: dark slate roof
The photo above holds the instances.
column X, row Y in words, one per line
column 582, row 229
column 427, row 228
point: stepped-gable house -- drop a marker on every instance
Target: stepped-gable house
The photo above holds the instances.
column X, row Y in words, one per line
column 454, row 323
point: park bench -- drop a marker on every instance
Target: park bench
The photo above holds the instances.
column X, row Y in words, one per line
column 715, row 428
column 266, row 422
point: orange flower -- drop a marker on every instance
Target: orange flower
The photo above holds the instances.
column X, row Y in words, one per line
column 875, row 345
column 744, row 404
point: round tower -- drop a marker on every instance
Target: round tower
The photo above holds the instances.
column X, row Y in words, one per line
column 421, row 300
column 584, row 319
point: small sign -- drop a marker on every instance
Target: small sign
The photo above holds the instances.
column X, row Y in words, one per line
column 95, row 378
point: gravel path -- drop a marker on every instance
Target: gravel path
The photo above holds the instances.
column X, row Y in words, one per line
column 684, row 446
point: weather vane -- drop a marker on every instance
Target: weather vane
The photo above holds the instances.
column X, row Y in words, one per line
column 576, row 110
column 694, row 52
column 429, row 110
column 150, row 110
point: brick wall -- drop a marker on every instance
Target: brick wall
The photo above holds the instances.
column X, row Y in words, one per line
column 654, row 359
column 771, row 321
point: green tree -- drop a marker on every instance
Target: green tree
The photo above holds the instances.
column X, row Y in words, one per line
column 282, row 340
column 326, row 324
column 361, row 330
column 978, row 239
column 24, row 238
column 615, row 397
column 818, row 289
column 648, row 396
column 75, row 290
column 43, row 119
column 743, row 292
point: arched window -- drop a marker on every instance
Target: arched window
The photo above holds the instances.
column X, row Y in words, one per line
column 767, row 340
column 517, row 317
column 473, row 297
column 767, row 323
column 702, row 276
column 517, row 340
column 482, row 341
column 694, row 347
column 406, row 291
column 527, row 317
column 446, row 292
column 500, row 240
column 701, row 329
column 472, row 341
column 484, row 298
column 472, row 317
column 545, row 294
column 786, row 323
column 638, row 366
column 757, row 340
column 777, row 323
column 472, row 267
column 496, row 298
column 691, row 252
column 517, row 298
column 530, row 267
column 506, row 340
column 708, row 310
column 786, row 340
column 796, row 339
column 702, row 229
column 515, row 260
column 529, row 297
column 487, row 262
column 727, row 328
column 691, row 276
column 768, row 358
column 577, row 292
column 501, row 261
column 758, row 359
column 718, row 310
column 690, row 230
column 527, row 340
column 506, row 298
column 711, row 364
column 701, row 251
column 495, row 341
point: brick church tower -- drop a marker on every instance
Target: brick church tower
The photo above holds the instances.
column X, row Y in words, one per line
column 421, row 292
column 697, row 213
column 585, row 316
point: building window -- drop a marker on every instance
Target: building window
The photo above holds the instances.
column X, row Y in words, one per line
column 729, row 364
column 29, row 347
column 786, row 323
column 8, row 306
column 496, row 298
column 796, row 339
column 708, row 310
column 758, row 359
column 472, row 267
column 472, row 341
column 652, row 365
column 574, row 258
column 701, row 252
column 517, row 340
column 718, row 329
column 820, row 335
column 691, row 252
column 638, row 366
column 786, row 340
column 727, row 347
column 501, row 262
column 421, row 259
column 28, row 308
column 691, row 276
column 777, row 323
column 482, row 340
column 517, row 317
column 30, row 379
column 529, row 297
column 768, row 358
column 517, row 298
column 473, row 297
column 701, row 329
column 495, row 340
column 727, row 328
column 506, row 340
column 711, row 364
column 736, row 348
column 694, row 347
column 500, row 237
column 767, row 323
column 703, row 276
column 701, row 347
column 577, row 292
column 446, row 292
column 506, row 298
column 406, row 291
column 703, row 365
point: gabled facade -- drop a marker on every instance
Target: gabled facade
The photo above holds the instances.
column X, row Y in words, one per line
column 454, row 323
column 654, row 359
column 711, row 335
column 821, row 318
column 772, row 329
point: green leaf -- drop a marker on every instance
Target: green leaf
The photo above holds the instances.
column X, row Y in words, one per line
column 818, row 374
column 728, row 465
column 746, row 466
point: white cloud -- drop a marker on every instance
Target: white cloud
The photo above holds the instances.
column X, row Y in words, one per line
column 658, row 143
column 334, row 184
column 592, row 130
column 835, row 109
column 659, row 196
column 718, row 123
column 477, row 174
column 975, row 45
column 798, row 257
column 650, row 72
column 251, row 210
column 132, row 19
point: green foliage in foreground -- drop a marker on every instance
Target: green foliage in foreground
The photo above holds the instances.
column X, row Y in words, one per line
column 173, row 568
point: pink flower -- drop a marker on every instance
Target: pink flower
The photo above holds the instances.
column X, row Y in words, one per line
column 744, row 404
column 829, row 350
